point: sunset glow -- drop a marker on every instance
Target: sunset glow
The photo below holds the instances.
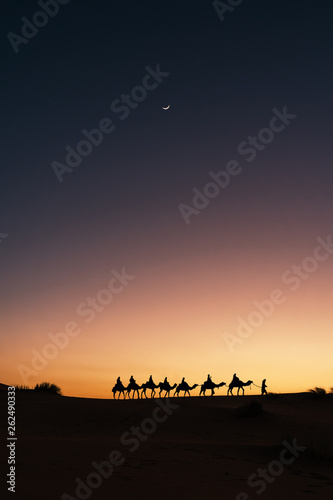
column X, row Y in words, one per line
column 166, row 233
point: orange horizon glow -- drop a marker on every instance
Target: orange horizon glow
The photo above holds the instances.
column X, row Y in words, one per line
column 170, row 321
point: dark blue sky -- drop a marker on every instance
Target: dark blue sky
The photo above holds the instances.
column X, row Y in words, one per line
column 224, row 80
column 225, row 77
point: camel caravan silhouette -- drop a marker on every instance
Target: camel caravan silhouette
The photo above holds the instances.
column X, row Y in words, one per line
column 183, row 387
column 237, row 383
column 209, row 384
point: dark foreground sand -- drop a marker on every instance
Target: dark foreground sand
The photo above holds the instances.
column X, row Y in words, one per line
column 202, row 450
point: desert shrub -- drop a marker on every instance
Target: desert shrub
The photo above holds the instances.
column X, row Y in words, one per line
column 317, row 391
column 47, row 387
column 22, row 388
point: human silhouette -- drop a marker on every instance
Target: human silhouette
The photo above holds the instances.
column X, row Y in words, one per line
column 263, row 387
column 183, row 380
column 165, row 380
column 235, row 380
column 209, row 379
column 132, row 380
column 151, row 379
column 119, row 384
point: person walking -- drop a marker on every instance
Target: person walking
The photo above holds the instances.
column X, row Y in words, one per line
column 263, row 387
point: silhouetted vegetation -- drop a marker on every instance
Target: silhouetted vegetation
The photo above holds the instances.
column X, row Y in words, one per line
column 22, row 388
column 318, row 391
column 47, row 387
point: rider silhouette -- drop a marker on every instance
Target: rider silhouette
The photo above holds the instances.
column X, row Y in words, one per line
column 151, row 379
column 235, row 380
column 209, row 379
column 165, row 380
column 263, row 387
column 183, row 380
column 119, row 383
column 132, row 380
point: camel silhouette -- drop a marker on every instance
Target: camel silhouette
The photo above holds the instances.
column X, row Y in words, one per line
column 165, row 386
column 149, row 385
column 238, row 384
column 119, row 388
column 183, row 386
column 210, row 385
column 133, row 386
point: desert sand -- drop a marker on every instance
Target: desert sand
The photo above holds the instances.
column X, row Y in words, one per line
column 203, row 449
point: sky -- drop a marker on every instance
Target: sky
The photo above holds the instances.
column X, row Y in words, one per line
column 180, row 242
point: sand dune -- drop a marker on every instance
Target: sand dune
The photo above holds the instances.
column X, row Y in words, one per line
column 187, row 447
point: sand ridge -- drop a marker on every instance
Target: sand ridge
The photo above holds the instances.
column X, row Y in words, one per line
column 198, row 448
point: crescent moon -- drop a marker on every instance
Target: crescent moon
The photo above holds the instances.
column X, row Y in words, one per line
column 166, row 107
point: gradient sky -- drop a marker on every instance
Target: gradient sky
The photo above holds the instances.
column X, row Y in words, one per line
column 120, row 207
